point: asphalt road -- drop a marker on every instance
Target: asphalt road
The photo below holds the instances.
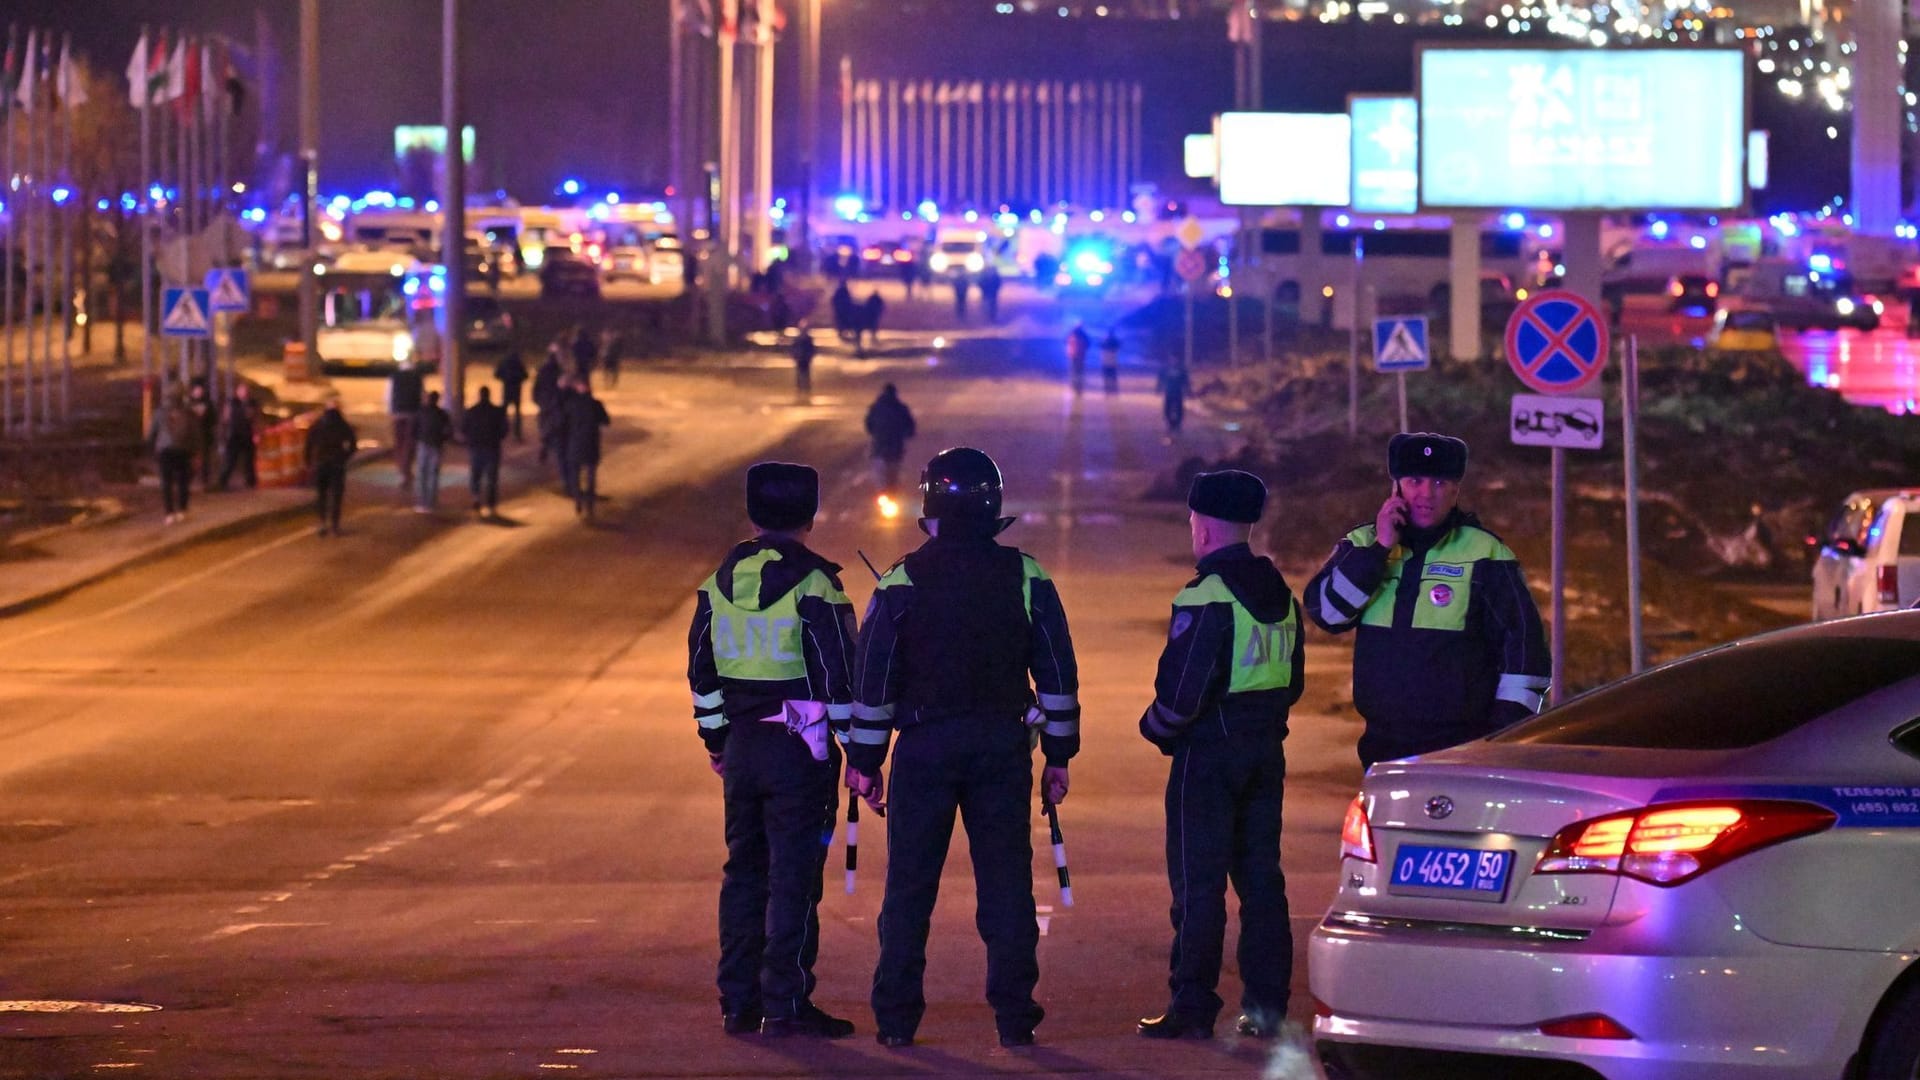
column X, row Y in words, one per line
column 427, row 800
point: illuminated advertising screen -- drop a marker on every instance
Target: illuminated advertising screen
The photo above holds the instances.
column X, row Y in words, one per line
column 1283, row 159
column 1582, row 129
column 431, row 139
column 1386, row 154
column 1200, row 156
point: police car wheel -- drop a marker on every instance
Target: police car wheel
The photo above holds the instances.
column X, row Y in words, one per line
column 1892, row 1049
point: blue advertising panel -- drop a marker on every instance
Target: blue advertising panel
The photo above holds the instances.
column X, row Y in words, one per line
column 1386, row 154
column 1603, row 129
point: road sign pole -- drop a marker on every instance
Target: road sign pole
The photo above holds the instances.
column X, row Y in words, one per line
column 1189, row 347
column 1353, row 345
column 1401, row 378
column 1629, row 423
column 1559, row 644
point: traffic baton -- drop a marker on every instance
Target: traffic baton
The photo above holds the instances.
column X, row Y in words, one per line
column 1059, row 853
column 853, row 838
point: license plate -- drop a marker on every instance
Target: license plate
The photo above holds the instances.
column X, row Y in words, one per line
column 1464, row 873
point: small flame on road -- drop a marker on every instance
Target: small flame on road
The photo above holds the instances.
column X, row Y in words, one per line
column 889, row 509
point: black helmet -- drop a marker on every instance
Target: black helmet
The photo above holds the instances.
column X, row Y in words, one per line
column 961, row 484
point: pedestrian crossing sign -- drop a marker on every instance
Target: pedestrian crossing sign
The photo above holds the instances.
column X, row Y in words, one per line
column 1400, row 343
column 184, row 314
column 227, row 290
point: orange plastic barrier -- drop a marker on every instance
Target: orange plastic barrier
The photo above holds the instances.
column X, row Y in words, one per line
column 281, row 452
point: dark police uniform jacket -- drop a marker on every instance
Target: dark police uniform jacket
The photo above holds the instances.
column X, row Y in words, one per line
column 954, row 631
column 771, row 625
column 1234, row 659
column 1449, row 646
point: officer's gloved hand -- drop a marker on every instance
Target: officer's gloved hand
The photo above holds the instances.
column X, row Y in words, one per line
column 1053, row 784
column 871, row 788
column 718, row 763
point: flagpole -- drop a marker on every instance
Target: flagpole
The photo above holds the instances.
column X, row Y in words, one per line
column 47, row 309
column 68, row 310
column 8, row 193
column 30, row 229
column 183, row 207
column 144, row 206
column 223, row 162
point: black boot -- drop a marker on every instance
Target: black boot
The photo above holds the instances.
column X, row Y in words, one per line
column 810, row 1021
column 1172, row 1025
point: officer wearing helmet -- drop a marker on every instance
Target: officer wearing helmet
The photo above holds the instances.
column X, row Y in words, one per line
column 965, row 653
column 770, row 653
column 1448, row 645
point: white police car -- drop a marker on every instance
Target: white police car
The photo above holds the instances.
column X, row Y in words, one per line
column 1711, row 869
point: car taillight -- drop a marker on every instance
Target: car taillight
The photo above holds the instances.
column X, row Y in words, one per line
column 1676, row 289
column 1356, row 835
column 1887, row 580
column 1713, row 289
column 1676, row 842
column 1590, row 1026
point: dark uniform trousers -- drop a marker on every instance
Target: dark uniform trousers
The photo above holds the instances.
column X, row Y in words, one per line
column 780, row 811
column 982, row 768
column 1223, row 822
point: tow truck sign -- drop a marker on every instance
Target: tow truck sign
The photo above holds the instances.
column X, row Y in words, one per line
column 1551, row 420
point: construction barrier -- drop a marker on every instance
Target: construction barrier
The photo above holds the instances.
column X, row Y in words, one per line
column 281, row 450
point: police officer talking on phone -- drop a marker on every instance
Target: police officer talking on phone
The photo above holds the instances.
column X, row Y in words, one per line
column 965, row 652
column 1448, row 646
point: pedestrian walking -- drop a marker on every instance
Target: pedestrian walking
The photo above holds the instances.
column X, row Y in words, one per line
column 581, row 417
column 610, row 356
column 174, row 434
column 406, row 389
column 803, row 350
column 962, row 285
column 512, row 373
column 870, row 312
column 584, row 352
column 1174, row 382
column 846, row 314
column 1078, row 342
column 331, row 443
column 484, row 429
column 1110, row 361
column 989, row 293
column 1448, row 645
column 889, row 426
column 237, row 422
column 436, row 430
column 907, row 270
column 1232, row 667
column 206, row 421
column 546, row 397
column 771, row 647
column 952, row 636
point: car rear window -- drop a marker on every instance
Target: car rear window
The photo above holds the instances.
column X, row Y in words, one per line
column 1910, row 532
column 1726, row 699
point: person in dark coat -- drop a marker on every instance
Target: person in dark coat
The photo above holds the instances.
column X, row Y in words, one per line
column 581, row 417
column 512, row 373
column 331, row 444
column 237, row 422
column 484, row 429
column 846, row 317
column 1232, row 668
column 908, row 270
column 405, row 390
column 1174, row 382
column 584, row 352
column 989, row 293
column 962, row 285
column 610, row 356
column 546, row 397
column 803, row 350
column 870, row 313
column 206, row 417
column 174, row 435
column 436, row 430
column 889, row 426
column 1110, row 361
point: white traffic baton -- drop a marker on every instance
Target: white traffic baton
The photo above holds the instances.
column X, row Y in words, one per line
column 1059, row 853
column 853, row 838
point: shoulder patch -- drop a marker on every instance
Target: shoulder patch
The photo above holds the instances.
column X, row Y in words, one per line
column 1182, row 622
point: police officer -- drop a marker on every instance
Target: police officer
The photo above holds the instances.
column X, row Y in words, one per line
column 1449, row 646
column 770, row 648
column 1231, row 669
column 950, row 640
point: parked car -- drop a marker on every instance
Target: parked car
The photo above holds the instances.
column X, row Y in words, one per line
column 562, row 273
column 1868, row 558
column 489, row 326
column 1705, row 870
column 1743, row 330
column 1804, row 298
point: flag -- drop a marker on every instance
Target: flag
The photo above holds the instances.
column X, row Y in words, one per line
column 1240, row 23
column 10, row 72
column 729, row 21
column 209, row 80
column 176, row 73
column 28, row 73
column 188, row 60
column 230, row 78
column 767, row 21
column 156, row 74
column 67, row 83
column 137, row 74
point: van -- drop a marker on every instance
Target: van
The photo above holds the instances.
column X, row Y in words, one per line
column 1805, row 296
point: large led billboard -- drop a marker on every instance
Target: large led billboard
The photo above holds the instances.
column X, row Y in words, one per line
column 1386, row 154
column 1582, row 129
column 1283, row 159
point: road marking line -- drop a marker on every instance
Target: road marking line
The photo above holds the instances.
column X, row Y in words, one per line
column 236, row 929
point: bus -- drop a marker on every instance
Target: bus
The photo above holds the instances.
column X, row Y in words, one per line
column 1406, row 264
column 379, row 310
